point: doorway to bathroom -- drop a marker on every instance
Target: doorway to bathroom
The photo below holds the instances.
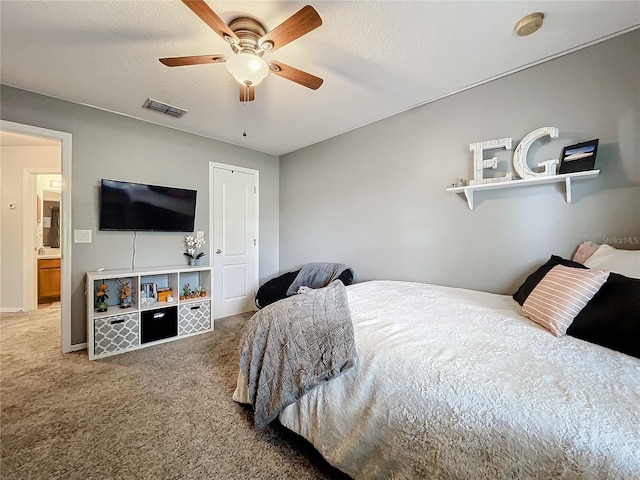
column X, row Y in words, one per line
column 35, row 265
column 47, row 238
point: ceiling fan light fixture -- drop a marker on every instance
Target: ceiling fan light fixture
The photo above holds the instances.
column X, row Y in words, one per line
column 247, row 68
column 249, row 40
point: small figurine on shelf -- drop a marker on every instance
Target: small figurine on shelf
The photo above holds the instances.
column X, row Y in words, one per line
column 186, row 292
column 101, row 298
column 125, row 294
column 460, row 182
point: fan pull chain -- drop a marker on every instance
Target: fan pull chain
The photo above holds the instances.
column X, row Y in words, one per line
column 244, row 110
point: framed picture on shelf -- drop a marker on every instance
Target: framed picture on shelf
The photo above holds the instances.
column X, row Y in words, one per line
column 579, row 157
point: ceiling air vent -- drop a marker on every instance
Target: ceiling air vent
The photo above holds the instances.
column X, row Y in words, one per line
column 165, row 108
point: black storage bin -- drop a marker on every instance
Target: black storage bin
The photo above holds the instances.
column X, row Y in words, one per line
column 159, row 324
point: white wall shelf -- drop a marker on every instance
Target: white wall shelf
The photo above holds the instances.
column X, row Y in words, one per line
column 567, row 178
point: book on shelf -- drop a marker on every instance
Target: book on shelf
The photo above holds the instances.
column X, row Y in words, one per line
column 148, row 293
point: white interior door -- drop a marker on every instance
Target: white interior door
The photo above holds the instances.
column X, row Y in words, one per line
column 235, row 240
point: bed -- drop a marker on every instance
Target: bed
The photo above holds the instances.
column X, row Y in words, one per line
column 456, row 384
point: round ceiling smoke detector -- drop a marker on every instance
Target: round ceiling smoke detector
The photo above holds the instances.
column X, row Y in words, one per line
column 529, row 24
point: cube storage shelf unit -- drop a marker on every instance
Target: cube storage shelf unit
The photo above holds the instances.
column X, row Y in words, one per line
column 565, row 177
column 146, row 322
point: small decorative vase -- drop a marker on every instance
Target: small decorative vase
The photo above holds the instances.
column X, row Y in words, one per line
column 194, row 262
column 102, row 307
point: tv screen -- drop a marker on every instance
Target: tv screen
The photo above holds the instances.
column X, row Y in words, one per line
column 136, row 206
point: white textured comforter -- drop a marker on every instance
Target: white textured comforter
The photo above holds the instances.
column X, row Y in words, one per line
column 455, row 384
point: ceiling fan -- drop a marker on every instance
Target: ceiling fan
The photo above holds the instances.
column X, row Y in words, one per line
column 249, row 41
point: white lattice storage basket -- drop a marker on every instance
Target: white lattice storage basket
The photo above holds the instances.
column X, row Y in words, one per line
column 116, row 333
column 194, row 317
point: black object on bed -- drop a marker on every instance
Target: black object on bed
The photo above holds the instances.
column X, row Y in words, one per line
column 276, row 288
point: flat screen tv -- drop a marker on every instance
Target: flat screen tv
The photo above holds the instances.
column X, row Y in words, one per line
column 136, row 206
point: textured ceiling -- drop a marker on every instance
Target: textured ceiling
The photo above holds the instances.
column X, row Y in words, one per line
column 376, row 58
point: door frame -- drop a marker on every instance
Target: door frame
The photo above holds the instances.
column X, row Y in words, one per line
column 65, row 224
column 212, row 256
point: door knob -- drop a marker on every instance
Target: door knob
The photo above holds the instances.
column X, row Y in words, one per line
column 218, row 251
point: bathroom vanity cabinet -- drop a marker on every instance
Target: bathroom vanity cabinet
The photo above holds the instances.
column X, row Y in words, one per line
column 48, row 280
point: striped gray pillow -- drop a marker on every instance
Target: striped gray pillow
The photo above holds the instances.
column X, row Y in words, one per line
column 561, row 295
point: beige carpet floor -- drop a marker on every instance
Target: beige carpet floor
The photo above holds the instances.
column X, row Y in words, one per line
column 163, row 412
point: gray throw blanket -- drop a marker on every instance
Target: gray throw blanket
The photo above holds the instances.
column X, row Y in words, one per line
column 294, row 345
column 317, row 275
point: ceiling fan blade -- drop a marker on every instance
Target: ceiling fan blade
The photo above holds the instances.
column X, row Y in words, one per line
column 300, row 23
column 208, row 16
column 193, row 60
column 295, row 75
column 247, row 94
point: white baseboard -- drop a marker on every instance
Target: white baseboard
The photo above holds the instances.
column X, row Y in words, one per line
column 79, row 346
column 10, row 310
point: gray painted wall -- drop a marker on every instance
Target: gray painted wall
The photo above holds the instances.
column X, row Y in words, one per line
column 375, row 198
column 107, row 145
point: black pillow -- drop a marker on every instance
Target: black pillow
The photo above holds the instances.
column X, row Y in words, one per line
column 275, row 289
column 612, row 317
column 346, row 277
column 532, row 280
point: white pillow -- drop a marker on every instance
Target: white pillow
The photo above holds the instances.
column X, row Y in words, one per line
column 624, row 262
column 584, row 251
